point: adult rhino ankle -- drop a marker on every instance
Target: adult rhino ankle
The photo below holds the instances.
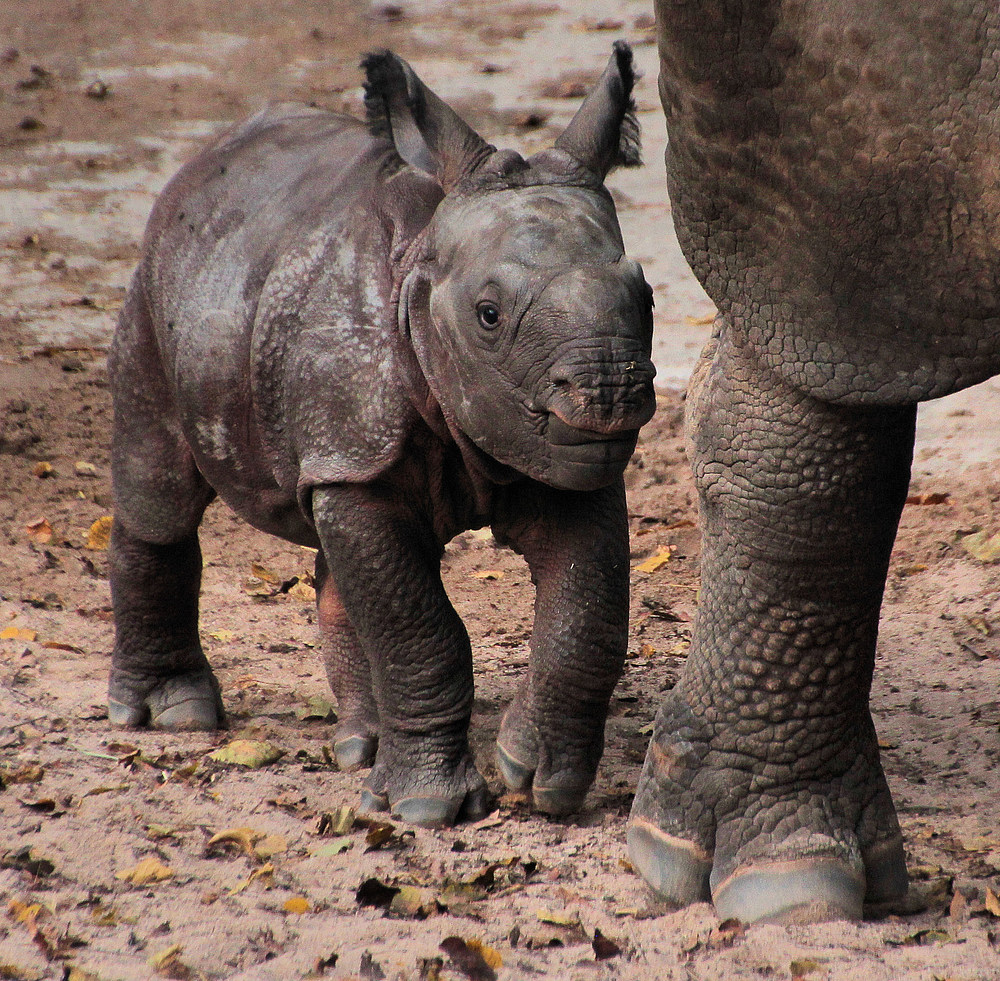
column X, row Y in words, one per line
column 367, row 337
column 832, row 170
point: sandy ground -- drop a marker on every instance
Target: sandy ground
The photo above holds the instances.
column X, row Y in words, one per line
column 138, row 855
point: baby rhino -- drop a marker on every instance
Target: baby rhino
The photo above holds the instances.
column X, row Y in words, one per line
column 367, row 337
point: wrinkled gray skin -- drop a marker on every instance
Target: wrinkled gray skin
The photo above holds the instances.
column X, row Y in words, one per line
column 833, row 168
column 366, row 338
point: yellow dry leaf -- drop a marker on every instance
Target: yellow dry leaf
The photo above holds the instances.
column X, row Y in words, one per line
column 251, row 753
column 17, row 633
column 148, row 871
column 246, row 838
column 39, row 531
column 263, row 872
column 297, row 904
column 982, row 545
column 302, row 592
column 270, row 846
column 558, row 919
column 488, row 574
column 99, row 534
column 24, row 912
column 43, row 469
column 224, row 635
column 992, row 902
column 262, row 572
column 488, row 954
column 165, row 959
column 655, row 562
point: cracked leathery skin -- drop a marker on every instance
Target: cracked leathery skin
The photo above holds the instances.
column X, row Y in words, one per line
column 832, row 168
column 367, row 337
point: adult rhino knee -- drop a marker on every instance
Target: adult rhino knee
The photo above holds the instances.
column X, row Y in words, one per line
column 832, row 170
column 355, row 333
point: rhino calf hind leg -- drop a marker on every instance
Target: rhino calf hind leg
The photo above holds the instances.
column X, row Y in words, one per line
column 762, row 782
column 159, row 674
column 387, row 565
column 355, row 736
column 576, row 545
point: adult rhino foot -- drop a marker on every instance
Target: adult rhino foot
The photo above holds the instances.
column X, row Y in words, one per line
column 799, row 849
column 425, row 792
column 556, row 773
column 177, row 703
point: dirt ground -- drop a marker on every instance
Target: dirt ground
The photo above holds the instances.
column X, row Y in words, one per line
column 138, row 855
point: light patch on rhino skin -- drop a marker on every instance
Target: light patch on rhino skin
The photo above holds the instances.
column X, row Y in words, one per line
column 215, row 439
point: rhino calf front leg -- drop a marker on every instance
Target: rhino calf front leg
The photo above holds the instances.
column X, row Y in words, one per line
column 159, row 674
column 386, row 563
column 576, row 545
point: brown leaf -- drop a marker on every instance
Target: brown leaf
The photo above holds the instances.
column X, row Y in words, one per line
column 337, row 822
column 297, row 904
column 244, row 838
column 604, row 947
column 992, row 902
column 39, row 531
column 374, row 893
column 467, row 959
column 799, row 969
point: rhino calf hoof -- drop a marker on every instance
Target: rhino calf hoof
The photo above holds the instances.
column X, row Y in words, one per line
column 554, row 800
column 186, row 703
column 354, row 751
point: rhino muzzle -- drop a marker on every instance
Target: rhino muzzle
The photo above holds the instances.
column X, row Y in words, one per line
column 613, row 400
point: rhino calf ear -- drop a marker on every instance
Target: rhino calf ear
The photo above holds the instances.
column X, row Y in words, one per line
column 604, row 133
column 426, row 132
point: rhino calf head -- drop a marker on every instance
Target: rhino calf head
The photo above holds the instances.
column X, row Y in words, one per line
column 531, row 326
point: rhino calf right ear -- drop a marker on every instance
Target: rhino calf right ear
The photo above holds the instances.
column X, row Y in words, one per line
column 426, row 132
column 604, row 133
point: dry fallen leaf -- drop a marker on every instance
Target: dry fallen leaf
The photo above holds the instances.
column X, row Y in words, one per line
column 332, row 848
column 99, row 534
column 39, row 531
column 251, row 753
column 297, row 904
column 43, row 469
column 168, row 962
column 655, row 562
column 262, row 572
column 488, row 574
column 18, row 633
column 558, row 919
column 337, row 822
column 244, row 837
column 982, row 545
column 992, row 902
column 224, row 635
column 302, row 592
column 148, row 871
column 468, row 959
column 265, row 871
column 270, row 846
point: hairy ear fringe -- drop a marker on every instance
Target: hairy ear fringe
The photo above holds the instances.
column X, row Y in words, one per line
column 378, row 66
column 630, row 143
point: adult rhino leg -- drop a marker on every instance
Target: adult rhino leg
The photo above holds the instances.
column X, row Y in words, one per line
column 159, row 674
column 762, row 783
column 355, row 737
column 576, row 545
column 387, row 564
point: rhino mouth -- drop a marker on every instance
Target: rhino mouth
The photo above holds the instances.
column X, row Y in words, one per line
column 587, row 447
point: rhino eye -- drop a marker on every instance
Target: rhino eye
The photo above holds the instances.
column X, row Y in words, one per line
column 489, row 315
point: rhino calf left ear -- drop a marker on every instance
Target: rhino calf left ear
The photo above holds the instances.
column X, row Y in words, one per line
column 604, row 133
column 426, row 132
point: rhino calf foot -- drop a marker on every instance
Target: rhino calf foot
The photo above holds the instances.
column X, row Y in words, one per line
column 354, row 745
column 806, row 847
column 178, row 703
column 430, row 794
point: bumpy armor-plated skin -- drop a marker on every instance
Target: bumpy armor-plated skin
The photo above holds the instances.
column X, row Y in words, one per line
column 366, row 338
column 833, row 170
